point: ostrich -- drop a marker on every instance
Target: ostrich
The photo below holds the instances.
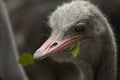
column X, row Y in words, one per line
column 96, row 59
column 22, row 16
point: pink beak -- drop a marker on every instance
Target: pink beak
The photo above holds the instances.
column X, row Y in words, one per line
column 52, row 45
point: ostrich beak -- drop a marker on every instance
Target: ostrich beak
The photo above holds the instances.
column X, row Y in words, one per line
column 52, row 45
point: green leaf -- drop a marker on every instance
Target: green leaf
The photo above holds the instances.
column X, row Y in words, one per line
column 26, row 59
column 75, row 50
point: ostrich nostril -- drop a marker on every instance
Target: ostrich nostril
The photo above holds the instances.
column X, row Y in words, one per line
column 54, row 44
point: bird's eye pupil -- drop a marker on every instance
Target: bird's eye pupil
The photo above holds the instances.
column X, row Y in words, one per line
column 80, row 27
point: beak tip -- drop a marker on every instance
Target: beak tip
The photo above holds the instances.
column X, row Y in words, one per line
column 35, row 56
column 38, row 55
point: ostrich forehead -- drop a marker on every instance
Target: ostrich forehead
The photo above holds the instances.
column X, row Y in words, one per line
column 68, row 14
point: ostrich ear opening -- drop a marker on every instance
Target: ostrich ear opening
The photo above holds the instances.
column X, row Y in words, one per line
column 99, row 30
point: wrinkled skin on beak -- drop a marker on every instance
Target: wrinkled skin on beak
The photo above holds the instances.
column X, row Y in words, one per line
column 54, row 45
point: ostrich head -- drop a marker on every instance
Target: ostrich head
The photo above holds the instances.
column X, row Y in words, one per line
column 70, row 22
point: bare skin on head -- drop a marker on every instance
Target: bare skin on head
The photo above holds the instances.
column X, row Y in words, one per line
column 81, row 20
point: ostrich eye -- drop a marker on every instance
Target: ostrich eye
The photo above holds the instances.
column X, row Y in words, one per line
column 81, row 26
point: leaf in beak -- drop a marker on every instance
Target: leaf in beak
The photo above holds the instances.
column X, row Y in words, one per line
column 75, row 50
column 26, row 59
